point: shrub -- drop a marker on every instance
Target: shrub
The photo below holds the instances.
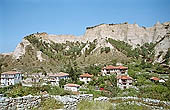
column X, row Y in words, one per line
column 50, row 104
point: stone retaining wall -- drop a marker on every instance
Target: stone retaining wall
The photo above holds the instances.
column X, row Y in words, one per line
column 147, row 100
column 151, row 103
column 70, row 101
column 20, row 103
column 28, row 102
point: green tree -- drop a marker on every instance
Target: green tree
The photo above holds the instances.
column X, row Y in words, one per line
column 167, row 57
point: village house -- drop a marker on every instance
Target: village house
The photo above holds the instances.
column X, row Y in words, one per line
column 86, row 78
column 72, row 87
column 10, row 78
column 118, row 70
column 34, row 79
column 156, row 79
column 55, row 78
column 124, row 82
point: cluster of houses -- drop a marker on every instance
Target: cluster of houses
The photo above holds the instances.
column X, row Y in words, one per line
column 124, row 81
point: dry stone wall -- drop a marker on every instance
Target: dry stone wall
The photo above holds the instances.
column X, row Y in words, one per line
column 20, row 103
column 28, row 102
column 70, row 101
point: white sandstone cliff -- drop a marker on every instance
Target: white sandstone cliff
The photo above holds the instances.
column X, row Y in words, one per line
column 20, row 49
column 130, row 33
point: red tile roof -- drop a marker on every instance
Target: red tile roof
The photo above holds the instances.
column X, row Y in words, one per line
column 11, row 72
column 155, row 78
column 123, row 67
column 124, row 77
column 115, row 67
column 59, row 74
column 72, row 85
column 86, row 75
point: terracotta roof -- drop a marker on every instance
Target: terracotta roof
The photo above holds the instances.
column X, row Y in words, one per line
column 59, row 74
column 115, row 67
column 124, row 77
column 72, row 85
column 155, row 78
column 86, row 75
column 123, row 67
column 11, row 72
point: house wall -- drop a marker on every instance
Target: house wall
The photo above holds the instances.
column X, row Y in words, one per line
column 126, row 85
column 74, row 89
column 113, row 71
column 57, row 79
column 85, row 79
column 8, row 79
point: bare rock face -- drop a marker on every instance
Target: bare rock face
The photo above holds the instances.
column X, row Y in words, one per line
column 39, row 56
column 61, row 38
column 20, row 49
column 129, row 33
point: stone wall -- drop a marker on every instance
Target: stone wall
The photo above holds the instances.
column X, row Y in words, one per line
column 151, row 103
column 28, row 102
column 70, row 101
column 19, row 103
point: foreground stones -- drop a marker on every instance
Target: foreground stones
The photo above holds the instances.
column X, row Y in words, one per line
column 70, row 101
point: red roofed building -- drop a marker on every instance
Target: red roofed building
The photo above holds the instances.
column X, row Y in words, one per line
column 85, row 78
column 55, row 78
column 124, row 81
column 72, row 87
column 10, row 78
column 154, row 79
column 118, row 70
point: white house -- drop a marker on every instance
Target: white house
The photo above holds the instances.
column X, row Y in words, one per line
column 10, row 78
column 85, row 78
column 72, row 87
column 124, row 81
column 55, row 78
column 118, row 70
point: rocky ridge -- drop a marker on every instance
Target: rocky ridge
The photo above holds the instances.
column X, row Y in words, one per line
column 129, row 33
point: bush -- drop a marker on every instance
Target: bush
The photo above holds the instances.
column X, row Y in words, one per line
column 19, row 91
column 50, row 104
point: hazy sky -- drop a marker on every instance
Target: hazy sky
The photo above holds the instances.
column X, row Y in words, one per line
column 19, row 18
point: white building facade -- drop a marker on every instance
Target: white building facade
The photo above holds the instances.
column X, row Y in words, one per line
column 86, row 78
column 55, row 78
column 10, row 78
column 118, row 70
column 72, row 87
column 124, row 82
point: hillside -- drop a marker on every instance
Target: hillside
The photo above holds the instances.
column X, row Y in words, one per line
column 101, row 44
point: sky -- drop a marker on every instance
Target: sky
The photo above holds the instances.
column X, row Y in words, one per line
column 19, row 18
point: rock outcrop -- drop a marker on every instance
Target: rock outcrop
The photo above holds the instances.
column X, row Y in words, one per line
column 20, row 49
column 129, row 33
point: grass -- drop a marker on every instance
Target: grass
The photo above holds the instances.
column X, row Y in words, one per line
column 123, row 106
column 94, row 105
column 49, row 104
